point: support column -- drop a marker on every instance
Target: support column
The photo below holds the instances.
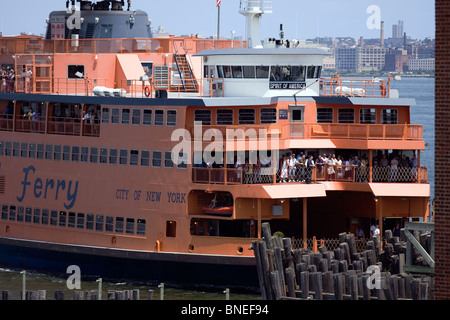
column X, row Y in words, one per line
column 305, row 220
column 370, row 165
column 259, row 218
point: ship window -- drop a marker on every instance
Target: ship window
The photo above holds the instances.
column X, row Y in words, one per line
column 281, row 73
column 57, row 153
column 66, row 153
column 28, row 215
column 298, row 74
column 62, row 219
column 227, row 71
column 2, row 148
column 49, row 152
column 237, row 72
column 324, row 115
column 147, row 120
column 311, row 72
column 141, row 223
column 75, row 71
column 90, row 221
column 115, row 116
column 368, row 116
column 45, row 216
column 5, row 212
column 224, row 117
column 249, row 72
column 168, row 163
column 268, row 115
column 54, row 218
column 71, row 222
column 103, row 155
column 12, row 213
column 84, row 154
column 220, row 72
column 134, row 157
column 159, row 117
column 346, row 115
column 105, row 115
column 40, row 151
column 389, row 116
column 262, row 72
column 37, row 216
column 113, row 156
column 145, row 158
column 75, row 153
column 136, row 117
column 123, row 160
column 8, row 148
column 119, row 225
column 171, row 118
column 318, row 72
column 94, row 155
column 130, row 226
column 246, row 116
column 203, row 116
column 171, row 229
column 80, row 221
column 16, row 146
column 32, row 151
column 182, row 160
column 157, row 159
column 99, row 222
column 20, row 211
column 109, row 224
column 24, row 150
column 126, row 116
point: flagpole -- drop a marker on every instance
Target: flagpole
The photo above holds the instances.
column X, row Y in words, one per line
column 218, row 21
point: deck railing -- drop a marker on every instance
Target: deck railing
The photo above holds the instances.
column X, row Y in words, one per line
column 373, row 88
column 302, row 174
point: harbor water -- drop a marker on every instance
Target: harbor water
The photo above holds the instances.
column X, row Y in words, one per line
column 420, row 88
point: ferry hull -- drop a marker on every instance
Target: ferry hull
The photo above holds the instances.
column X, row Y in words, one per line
column 184, row 270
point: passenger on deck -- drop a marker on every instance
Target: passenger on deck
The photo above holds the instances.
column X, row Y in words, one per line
column 257, row 171
column 309, row 169
column 394, row 167
column 292, row 162
column 238, row 166
column 284, row 169
column 301, row 167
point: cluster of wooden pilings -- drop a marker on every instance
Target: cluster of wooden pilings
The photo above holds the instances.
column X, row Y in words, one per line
column 342, row 274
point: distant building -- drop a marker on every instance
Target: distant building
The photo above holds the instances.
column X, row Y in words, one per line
column 422, row 64
column 369, row 58
column 397, row 61
column 397, row 30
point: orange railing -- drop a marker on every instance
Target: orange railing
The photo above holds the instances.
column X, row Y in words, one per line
column 10, row 45
column 353, row 131
column 336, row 86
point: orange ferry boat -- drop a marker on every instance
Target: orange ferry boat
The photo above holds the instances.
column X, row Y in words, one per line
column 158, row 159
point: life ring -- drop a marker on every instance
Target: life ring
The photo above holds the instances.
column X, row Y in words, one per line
column 147, row 91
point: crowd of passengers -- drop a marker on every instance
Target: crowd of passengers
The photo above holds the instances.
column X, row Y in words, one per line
column 7, row 79
column 300, row 168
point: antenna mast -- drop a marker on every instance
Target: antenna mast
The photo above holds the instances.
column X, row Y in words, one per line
column 253, row 11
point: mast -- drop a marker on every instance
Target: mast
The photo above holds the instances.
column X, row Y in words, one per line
column 253, row 11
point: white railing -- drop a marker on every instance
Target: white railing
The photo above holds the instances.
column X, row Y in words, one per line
column 265, row 6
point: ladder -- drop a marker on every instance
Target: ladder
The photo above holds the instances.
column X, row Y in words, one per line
column 184, row 69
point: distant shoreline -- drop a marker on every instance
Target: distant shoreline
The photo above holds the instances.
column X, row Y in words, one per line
column 326, row 74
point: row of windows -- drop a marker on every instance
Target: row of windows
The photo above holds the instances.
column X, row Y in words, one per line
column 274, row 73
column 225, row 117
column 246, row 116
column 99, row 222
column 135, row 116
column 92, row 155
column 366, row 116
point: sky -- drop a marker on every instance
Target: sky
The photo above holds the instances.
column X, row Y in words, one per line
column 301, row 19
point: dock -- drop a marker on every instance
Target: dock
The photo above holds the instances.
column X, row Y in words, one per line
column 376, row 273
